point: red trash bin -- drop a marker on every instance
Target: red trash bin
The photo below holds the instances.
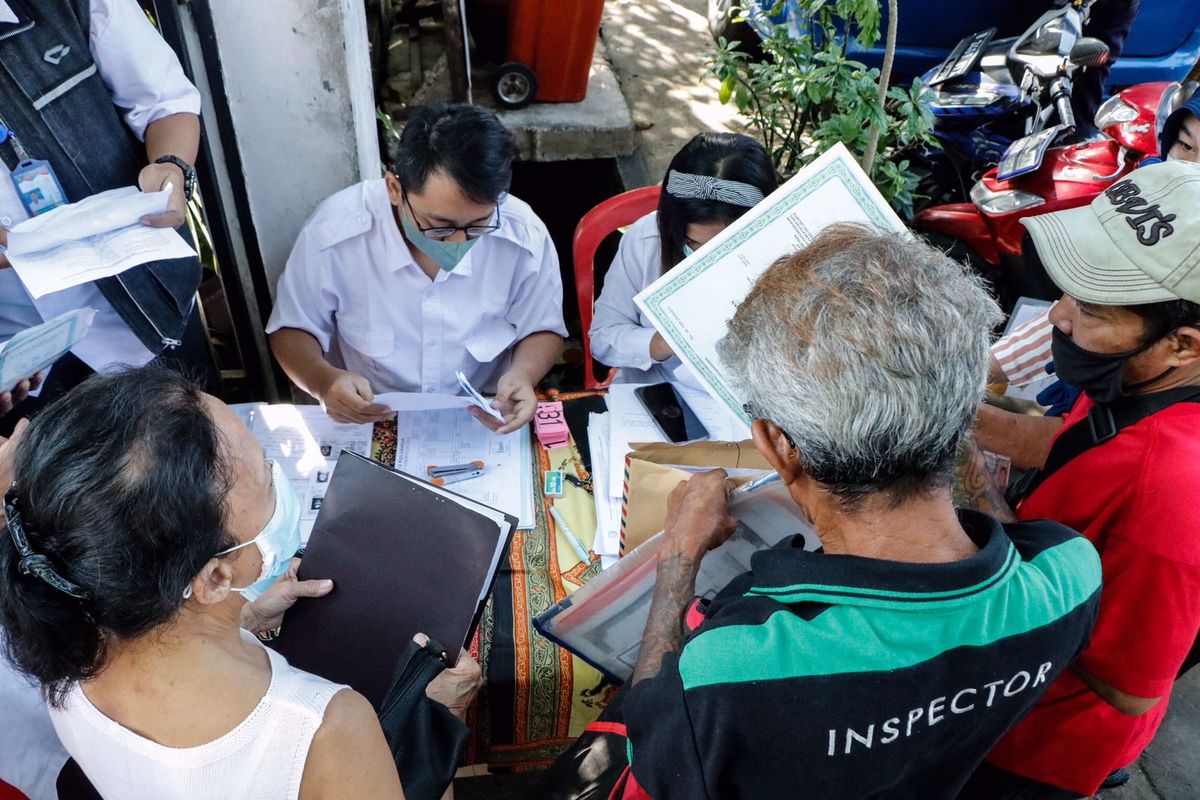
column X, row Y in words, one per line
column 550, row 48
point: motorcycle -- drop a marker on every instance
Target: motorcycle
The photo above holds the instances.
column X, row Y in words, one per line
column 1035, row 177
column 989, row 93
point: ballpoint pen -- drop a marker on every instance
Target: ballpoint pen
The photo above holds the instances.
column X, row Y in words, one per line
column 577, row 545
column 757, row 483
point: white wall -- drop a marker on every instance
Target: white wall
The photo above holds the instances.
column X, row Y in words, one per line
column 297, row 75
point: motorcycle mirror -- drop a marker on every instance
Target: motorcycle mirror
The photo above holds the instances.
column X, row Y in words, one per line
column 1089, row 52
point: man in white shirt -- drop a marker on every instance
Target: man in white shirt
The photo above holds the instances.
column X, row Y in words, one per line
column 94, row 90
column 398, row 283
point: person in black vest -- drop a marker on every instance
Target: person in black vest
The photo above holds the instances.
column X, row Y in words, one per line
column 90, row 87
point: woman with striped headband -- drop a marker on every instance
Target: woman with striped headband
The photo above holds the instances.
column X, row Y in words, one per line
column 712, row 181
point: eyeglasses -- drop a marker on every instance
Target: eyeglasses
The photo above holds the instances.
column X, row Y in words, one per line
column 443, row 232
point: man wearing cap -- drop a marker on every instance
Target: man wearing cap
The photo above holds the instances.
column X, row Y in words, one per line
column 1122, row 467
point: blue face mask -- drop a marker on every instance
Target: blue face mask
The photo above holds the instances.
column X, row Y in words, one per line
column 448, row 255
column 279, row 540
column 687, row 251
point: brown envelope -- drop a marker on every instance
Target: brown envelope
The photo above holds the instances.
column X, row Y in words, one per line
column 648, row 483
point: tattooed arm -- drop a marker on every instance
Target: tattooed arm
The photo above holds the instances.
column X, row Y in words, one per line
column 697, row 521
column 974, row 487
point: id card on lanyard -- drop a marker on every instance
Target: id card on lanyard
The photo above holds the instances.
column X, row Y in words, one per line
column 34, row 178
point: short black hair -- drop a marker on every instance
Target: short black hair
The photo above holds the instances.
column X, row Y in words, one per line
column 467, row 143
column 1163, row 317
column 731, row 156
column 122, row 485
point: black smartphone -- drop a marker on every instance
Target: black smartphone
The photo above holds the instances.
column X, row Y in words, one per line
column 671, row 413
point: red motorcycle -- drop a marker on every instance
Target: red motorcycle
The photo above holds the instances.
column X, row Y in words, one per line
column 1036, row 178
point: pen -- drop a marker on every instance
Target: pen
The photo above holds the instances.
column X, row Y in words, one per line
column 434, row 469
column 456, row 477
column 571, row 537
column 757, row 483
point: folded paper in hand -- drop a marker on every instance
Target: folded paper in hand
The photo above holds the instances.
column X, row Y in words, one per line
column 477, row 399
column 35, row 349
column 97, row 237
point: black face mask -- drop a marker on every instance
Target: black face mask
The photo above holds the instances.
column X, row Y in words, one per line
column 1098, row 374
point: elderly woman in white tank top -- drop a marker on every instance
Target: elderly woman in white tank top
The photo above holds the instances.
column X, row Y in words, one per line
column 144, row 525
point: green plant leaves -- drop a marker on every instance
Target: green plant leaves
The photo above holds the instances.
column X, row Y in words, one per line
column 805, row 95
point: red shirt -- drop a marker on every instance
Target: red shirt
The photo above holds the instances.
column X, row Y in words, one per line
column 1137, row 498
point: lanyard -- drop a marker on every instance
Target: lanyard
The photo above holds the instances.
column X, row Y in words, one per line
column 8, row 133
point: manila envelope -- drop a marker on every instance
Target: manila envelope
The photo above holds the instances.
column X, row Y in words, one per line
column 648, row 481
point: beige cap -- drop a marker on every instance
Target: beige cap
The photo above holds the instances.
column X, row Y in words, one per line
column 1138, row 242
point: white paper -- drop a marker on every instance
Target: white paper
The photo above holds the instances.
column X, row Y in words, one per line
column 453, row 436
column 419, row 401
column 306, row 443
column 631, row 422
column 608, row 508
column 476, row 399
column 35, row 349
column 691, row 304
column 98, row 237
column 101, row 213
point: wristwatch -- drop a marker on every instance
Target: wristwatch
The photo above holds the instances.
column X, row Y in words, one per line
column 189, row 173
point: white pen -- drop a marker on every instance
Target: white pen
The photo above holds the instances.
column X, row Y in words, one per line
column 757, row 483
column 571, row 537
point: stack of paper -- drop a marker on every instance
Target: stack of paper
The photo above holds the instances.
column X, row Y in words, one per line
column 97, row 237
column 441, row 436
column 607, row 543
column 629, row 421
column 306, row 443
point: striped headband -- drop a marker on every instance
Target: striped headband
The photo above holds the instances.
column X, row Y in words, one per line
column 686, row 186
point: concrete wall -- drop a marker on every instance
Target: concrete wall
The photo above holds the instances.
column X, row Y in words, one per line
column 297, row 75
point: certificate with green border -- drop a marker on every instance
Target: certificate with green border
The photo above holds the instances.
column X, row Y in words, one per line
column 692, row 304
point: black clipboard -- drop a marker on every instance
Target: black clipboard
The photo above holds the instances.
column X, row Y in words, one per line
column 24, row 20
column 405, row 557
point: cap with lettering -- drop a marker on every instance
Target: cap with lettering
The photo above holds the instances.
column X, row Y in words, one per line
column 1137, row 243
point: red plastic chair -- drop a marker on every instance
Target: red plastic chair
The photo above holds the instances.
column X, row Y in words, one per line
column 615, row 212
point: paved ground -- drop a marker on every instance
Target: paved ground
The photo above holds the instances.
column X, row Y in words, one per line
column 657, row 48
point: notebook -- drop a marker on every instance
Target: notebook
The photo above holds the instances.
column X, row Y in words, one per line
column 405, row 556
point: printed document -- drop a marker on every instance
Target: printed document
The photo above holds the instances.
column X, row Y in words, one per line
column 629, row 421
column 35, row 349
column 440, row 437
column 691, row 305
column 452, row 436
column 98, row 237
column 306, row 443
column 608, row 508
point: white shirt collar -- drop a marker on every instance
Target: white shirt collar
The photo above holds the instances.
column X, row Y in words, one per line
column 6, row 14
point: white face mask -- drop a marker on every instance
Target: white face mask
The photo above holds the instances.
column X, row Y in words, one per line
column 277, row 542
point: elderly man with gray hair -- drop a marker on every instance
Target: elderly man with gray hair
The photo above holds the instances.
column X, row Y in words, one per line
column 890, row 662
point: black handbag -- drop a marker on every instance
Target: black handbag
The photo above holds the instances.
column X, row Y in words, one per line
column 427, row 741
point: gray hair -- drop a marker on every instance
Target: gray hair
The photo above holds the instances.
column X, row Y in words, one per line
column 870, row 351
